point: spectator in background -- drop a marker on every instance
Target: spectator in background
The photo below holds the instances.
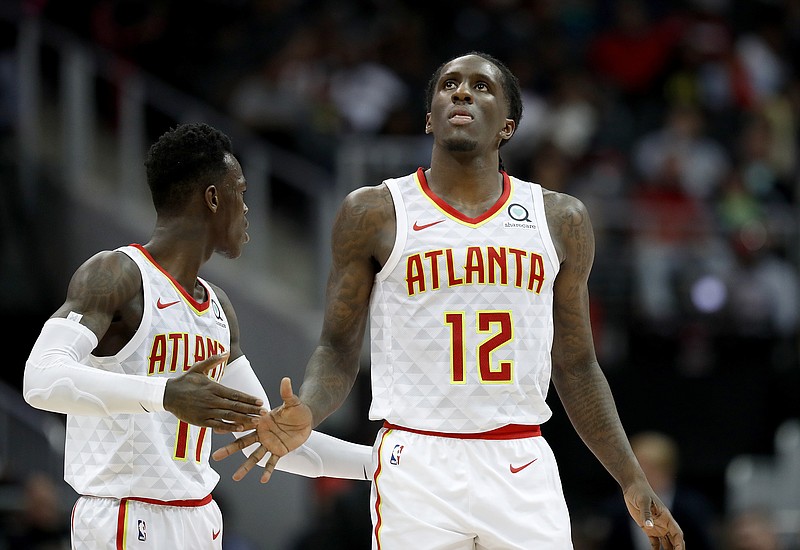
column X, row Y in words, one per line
column 365, row 91
column 565, row 124
column 762, row 52
column 41, row 524
column 633, row 53
column 766, row 155
column 736, row 204
column 632, row 56
column 751, row 530
column 285, row 91
column 667, row 224
column 763, row 297
column 658, row 454
column 706, row 70
column 699, row 161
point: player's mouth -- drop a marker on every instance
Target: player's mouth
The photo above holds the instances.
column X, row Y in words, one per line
column 460, row 117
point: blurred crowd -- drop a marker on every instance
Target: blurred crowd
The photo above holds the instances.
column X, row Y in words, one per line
column 32, row 516
column 676, row 122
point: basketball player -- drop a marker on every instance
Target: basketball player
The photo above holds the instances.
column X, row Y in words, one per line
column 475, row 285
column 137, row 356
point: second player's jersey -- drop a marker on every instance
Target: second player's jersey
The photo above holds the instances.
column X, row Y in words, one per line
column 461, row 322
column 152, row 455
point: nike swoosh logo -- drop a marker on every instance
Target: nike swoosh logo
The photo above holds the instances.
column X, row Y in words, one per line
column 214, row 535
column 519, row 469
column 162, row 305
column 418, row 227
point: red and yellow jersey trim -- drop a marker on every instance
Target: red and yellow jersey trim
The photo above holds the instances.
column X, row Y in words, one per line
column 454, row 214
column 198, row 307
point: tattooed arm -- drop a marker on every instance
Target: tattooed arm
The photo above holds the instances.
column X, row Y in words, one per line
column 100, row 315
column 363, row 236
column 578, row 379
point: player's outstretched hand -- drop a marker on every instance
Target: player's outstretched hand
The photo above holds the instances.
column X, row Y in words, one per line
column 654, row 518
column 195, row 398
column 281, row 431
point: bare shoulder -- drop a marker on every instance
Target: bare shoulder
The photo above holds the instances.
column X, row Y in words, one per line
column 105, row 288
column 365, row 224
column 369, row 202
column 561, row 206
column 108, row 274
column 569, row 223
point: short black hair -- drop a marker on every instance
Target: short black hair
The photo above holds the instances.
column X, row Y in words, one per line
column 186, row 157
column 511, row 86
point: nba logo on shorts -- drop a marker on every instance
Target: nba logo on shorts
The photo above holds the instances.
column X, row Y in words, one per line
column 395, row 458
column 142, row 530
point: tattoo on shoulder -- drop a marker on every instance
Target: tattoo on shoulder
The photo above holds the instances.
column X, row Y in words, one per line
column 571, row 227
column 109, row 281
column 362, row 219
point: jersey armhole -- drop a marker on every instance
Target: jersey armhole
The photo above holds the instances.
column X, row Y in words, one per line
column 401, row 229
column 538, row 203
column 147, row 313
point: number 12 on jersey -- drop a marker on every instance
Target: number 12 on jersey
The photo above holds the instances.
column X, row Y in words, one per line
column 499, row 328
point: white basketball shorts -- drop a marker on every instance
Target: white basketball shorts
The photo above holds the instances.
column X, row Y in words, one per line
column 100, row 523
column 461, row 492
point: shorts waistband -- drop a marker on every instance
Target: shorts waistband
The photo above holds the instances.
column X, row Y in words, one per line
column 190, row 503
column 509, row 431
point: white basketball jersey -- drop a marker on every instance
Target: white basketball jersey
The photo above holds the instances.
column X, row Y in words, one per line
column 152, row 455
column 461, row 314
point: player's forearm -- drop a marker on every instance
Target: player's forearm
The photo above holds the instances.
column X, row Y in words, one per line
column 327, row 456
column 57, row 380
column 329, row 377
column 590, row 405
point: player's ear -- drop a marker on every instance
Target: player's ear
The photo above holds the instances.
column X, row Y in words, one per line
column 212, row 198
column 428, row 128
column 508, row 129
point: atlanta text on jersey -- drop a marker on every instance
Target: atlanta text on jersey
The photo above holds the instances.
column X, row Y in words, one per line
column 490, row 265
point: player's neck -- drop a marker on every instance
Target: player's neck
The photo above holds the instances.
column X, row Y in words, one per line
column 469, row 189
column 179, row 258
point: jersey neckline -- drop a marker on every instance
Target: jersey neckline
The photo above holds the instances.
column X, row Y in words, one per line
column 442, row 205
column 200, row 307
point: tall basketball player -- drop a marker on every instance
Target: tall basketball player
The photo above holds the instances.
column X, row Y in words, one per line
column 475, row 287
column 144, row 359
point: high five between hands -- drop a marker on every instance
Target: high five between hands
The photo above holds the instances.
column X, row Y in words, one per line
column 281, row 431
column 197, row 399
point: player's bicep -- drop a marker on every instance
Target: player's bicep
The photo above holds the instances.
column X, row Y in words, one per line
column 98, row 289
column 573, row 345
column 352, row 272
